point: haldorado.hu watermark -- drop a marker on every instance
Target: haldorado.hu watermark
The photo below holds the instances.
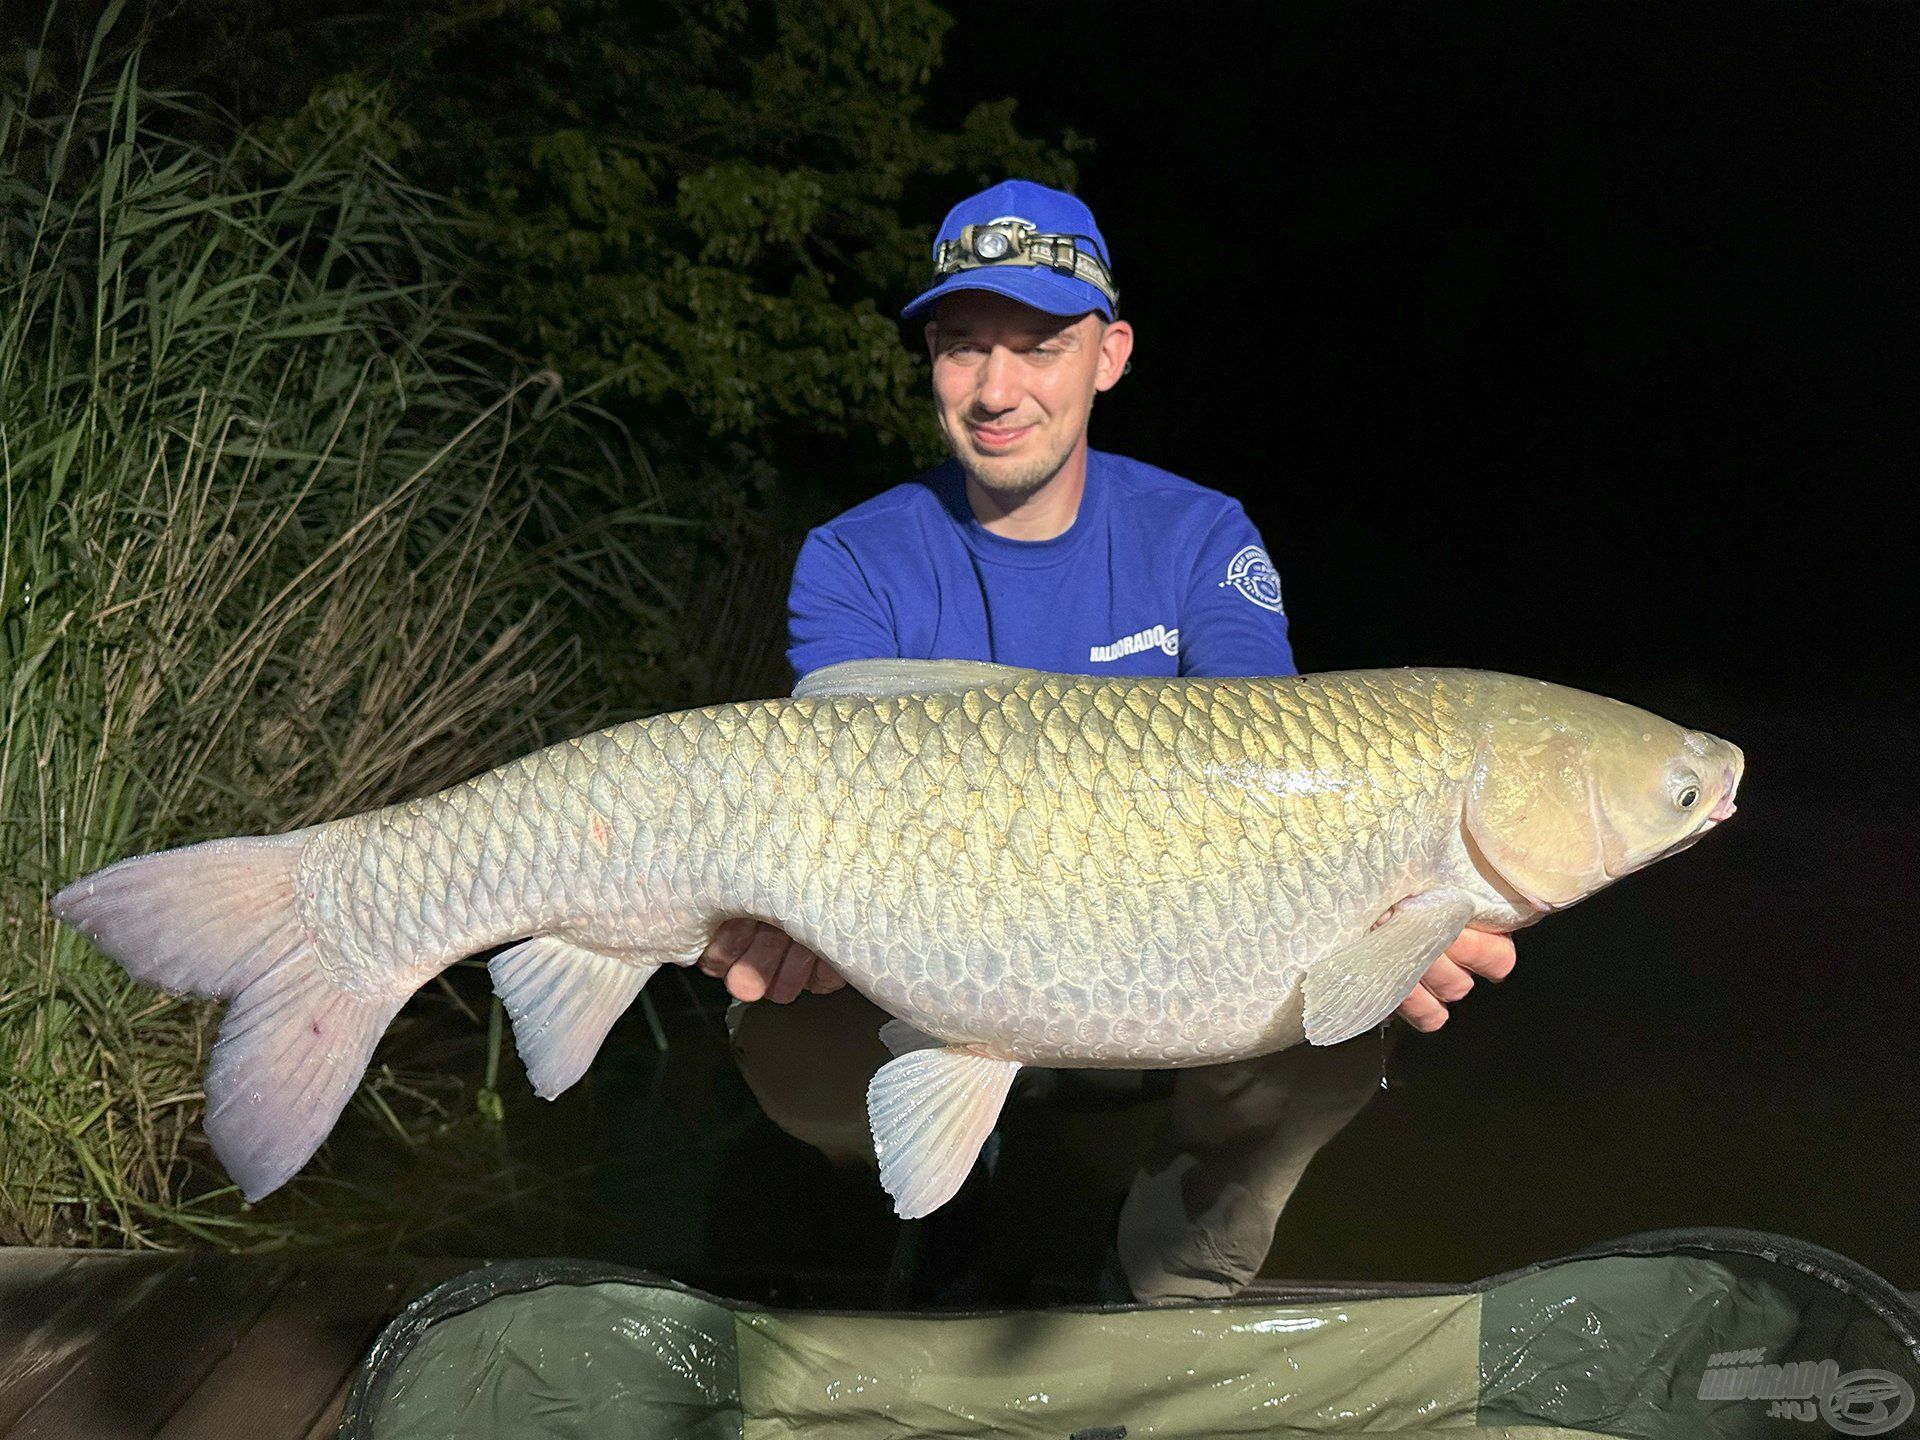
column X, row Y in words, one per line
column 1860, row 1402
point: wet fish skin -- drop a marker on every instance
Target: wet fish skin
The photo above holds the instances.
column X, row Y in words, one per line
column 1070, row 872
column 1024, row 868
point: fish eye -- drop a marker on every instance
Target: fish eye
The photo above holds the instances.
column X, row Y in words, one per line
column 1686, row 789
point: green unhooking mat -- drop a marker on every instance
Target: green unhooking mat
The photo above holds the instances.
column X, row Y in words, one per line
column 1671, row 1336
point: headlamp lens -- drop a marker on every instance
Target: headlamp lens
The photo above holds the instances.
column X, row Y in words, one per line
column 991, row 244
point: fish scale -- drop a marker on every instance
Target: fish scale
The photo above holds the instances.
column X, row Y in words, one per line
column 1020, row 867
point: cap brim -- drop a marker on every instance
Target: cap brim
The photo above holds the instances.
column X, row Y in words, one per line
column 1043, row 290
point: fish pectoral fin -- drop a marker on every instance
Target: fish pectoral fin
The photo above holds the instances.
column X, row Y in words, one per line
column 1350, row 991
column 563, row 999
column 931, row 1111
column 903, row 677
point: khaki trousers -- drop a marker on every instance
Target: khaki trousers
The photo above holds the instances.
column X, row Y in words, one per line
column 1199, row 1218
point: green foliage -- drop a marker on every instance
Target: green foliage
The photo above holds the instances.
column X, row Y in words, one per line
column 721, row 222
column 713, row 212
column 717, row 208
column 273, row 549
column 704, row 215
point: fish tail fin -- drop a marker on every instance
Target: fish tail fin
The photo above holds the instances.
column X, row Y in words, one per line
column 291, row 1052
column 207, row 919
column 218, row 919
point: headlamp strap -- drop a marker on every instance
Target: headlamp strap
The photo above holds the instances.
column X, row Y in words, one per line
column 1059, row 253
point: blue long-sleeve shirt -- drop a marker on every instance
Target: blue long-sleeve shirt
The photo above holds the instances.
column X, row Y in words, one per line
column 1156, row 576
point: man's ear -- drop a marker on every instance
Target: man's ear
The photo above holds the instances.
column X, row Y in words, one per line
column 931, row 330
column 1116, row 347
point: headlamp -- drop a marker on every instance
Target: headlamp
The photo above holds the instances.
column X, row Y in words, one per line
column 1014, row 242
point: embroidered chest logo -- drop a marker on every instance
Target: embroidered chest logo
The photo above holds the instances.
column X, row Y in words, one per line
column 1253, row 575
column 1154, row 637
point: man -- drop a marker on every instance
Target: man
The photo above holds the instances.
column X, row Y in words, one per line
column 1029, row 548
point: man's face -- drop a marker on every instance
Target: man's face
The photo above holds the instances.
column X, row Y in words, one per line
column 1013, row 386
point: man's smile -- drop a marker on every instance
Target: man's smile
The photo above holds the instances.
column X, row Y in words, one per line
column 997, row 437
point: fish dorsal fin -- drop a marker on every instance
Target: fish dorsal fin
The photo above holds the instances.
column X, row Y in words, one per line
column 903, row 677
column 931, row 1110
column 1350, row 991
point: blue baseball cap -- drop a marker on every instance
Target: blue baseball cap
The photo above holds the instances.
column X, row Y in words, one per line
column 1049, row 288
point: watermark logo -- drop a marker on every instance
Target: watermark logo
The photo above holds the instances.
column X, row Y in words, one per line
column 1867, row 1402
column 1252, row 574
column 1860, row 1402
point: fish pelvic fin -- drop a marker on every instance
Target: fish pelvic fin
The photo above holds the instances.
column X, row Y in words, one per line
column 931, row 1110
column 1356, row 988
column 218, row 919
column 562, row 999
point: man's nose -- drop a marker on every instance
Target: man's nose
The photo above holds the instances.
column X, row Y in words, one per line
column 999, row 381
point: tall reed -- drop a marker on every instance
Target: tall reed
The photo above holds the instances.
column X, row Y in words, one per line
column 267, row 556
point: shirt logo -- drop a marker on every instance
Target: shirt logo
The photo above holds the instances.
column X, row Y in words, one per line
column 1253, row 575
column 1157, row 637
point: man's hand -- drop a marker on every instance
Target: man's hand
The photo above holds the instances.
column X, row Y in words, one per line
column 761, row 961
column 1476, row 952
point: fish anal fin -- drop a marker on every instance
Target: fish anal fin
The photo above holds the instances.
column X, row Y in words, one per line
column 563, row 999
column 903, row 677
column 1356, row 988
column 931, row 1110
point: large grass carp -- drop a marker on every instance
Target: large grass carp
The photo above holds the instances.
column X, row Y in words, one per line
column 1023, row 868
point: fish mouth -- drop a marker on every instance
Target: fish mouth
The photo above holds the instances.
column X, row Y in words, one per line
column 1729, row 783
column 1733, row 764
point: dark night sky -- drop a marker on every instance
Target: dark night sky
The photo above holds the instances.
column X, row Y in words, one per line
column 1567, row 339
column 1576, row 341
